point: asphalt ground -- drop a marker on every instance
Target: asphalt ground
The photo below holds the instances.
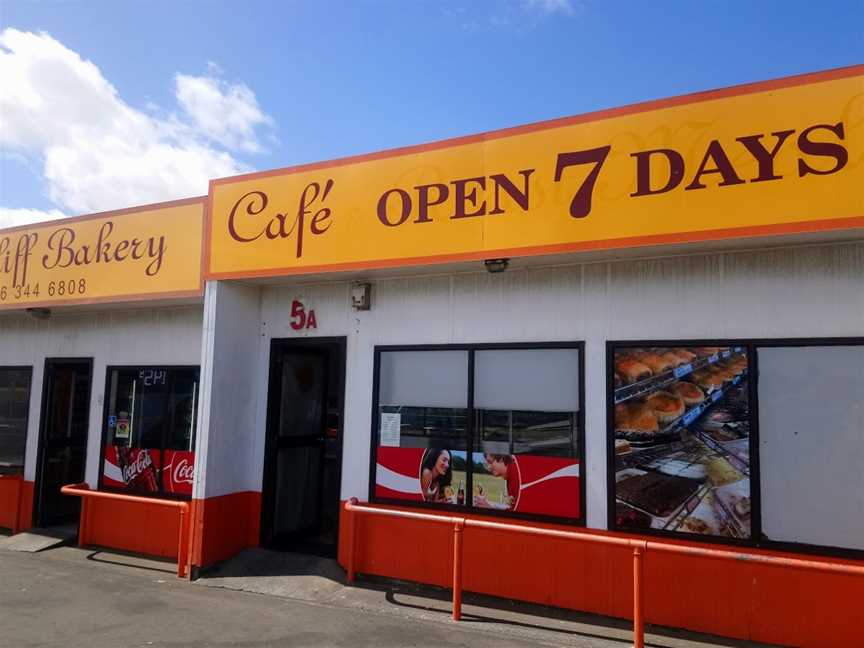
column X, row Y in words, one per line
column 73, row 597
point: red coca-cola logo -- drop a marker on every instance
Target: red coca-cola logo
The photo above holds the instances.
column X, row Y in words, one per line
column 183, row 472
column 136, row 467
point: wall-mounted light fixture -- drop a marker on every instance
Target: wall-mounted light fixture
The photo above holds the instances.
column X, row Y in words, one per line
column 39, row 313
column 361, row 296
column 496, row 265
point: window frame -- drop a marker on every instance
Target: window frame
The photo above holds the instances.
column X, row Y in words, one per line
column 161, row 494
column 752, row 346
column 28, row 368
column 471, row 349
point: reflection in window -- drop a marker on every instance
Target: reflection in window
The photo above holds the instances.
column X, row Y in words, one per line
column 14, row 403
column 539, row 433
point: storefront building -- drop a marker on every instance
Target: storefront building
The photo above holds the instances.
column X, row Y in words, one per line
column 647, row 321
column 100, row 350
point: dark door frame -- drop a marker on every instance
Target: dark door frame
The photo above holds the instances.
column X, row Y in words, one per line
column 268, row 485
column 47, row 386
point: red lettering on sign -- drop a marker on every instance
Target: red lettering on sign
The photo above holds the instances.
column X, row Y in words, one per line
column 300, row 318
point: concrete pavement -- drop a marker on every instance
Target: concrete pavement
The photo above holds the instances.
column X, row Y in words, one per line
column 70, row 597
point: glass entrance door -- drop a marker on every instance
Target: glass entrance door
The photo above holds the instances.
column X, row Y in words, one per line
column 63, row 439
column 301, row 494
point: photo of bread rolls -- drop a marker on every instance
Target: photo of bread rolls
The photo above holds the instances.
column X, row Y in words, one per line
column 657, row 364
column 685, row 355
column 635, row 416
column 673, row 359
column 706, row 379
column 687, row 392
column 631, row 369
column 666, row 407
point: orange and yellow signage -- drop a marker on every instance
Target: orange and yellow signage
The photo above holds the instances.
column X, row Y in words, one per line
column 151, row 252
column 777, row 157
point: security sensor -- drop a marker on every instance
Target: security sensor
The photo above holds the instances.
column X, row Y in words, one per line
column 361, row 296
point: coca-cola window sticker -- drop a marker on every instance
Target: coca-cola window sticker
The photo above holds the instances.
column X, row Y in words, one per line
column 149, row 430
column 489, row 428
column 14, row 405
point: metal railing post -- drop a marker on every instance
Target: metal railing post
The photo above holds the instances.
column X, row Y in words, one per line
column 458, row 526
column 82, row 522
column 183, row 542
column 638, row 596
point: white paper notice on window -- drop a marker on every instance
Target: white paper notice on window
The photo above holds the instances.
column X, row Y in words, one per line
column 391, row 427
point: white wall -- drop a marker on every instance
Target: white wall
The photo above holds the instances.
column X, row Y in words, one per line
column 145, row 336
column 229, row 447
column 792, row 292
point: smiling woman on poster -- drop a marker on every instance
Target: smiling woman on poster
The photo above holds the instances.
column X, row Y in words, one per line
column 436, row 473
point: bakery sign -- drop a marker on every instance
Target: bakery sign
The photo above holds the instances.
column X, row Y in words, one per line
column 151, row 252
column 776, row 157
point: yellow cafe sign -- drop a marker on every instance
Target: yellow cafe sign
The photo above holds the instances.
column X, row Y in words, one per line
column 150, row 252
column 776, row 157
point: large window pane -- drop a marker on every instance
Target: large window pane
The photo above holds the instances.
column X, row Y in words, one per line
column 811, row 444
column 422, row 426
column 527, row 379
column 424, row 379
column 14, row 405
column 526, row 451
column 150, row 429
column 682, row 439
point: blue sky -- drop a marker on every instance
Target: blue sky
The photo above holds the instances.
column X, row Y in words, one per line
column 263, row 85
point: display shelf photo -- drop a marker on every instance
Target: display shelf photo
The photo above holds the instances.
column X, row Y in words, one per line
column 686, row 420
column 682, row 437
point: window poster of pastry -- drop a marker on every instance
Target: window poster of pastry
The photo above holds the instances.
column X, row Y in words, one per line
column 682, row 439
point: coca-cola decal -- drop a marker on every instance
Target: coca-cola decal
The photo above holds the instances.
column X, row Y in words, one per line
column 138, row 469
column 141, row 464
column 178, row 472
column 131, row 468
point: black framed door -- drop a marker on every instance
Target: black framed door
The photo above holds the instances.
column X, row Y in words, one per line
column 300, row 502
column 62, row 454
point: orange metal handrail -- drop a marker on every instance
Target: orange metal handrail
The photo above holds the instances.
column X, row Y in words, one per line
column 640, row 548
column 83, row 491
column 16, row 522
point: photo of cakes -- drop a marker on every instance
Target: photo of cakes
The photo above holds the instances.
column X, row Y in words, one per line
column 681, row 427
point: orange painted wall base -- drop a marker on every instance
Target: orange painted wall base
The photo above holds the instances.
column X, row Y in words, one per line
column 132, row 526
column 16, row 495
column 222, row 526
column 740, row 600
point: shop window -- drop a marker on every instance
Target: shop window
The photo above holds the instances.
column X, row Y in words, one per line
column 681, row 439
column 526, row 403
column 811, row 444
column 422, row 426
column 149, row 431
column 14, row 406
column 505, row 438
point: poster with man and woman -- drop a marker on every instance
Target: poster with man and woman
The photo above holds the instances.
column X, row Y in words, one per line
column 535, row 484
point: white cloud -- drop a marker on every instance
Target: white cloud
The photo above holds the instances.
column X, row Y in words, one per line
column 10, row 217
column 100, row 153
column 549, row 6
column 227, row 114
